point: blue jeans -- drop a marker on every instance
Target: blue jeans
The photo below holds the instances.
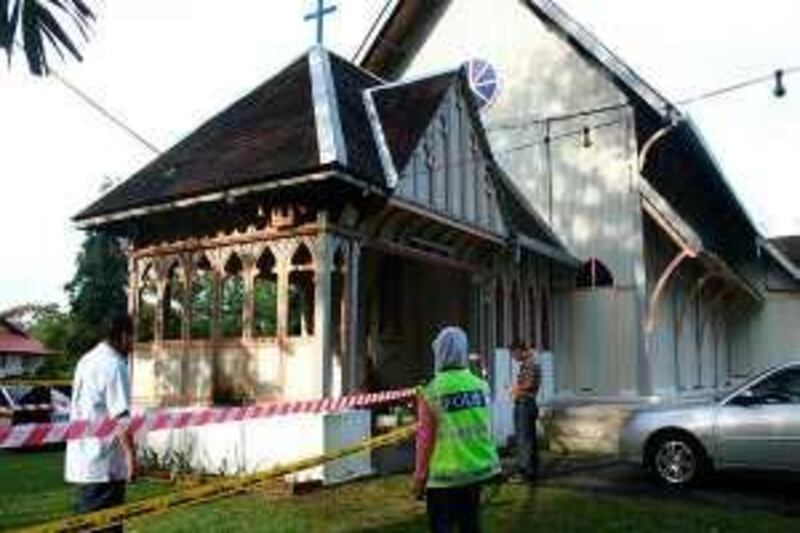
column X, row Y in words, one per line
column 98, row 496
column 525, row 413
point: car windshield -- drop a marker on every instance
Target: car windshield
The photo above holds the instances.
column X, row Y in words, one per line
column 744, row 382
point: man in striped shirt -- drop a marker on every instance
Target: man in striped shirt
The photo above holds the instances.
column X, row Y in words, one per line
column 526, row 411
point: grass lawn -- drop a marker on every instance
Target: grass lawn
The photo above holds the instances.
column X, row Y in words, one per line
column 32, row 488
column 31, row 491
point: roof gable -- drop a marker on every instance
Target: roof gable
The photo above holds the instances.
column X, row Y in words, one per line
column 445, row 162
column 405, row 110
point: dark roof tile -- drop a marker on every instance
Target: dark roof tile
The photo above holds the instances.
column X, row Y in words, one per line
column 268, row 133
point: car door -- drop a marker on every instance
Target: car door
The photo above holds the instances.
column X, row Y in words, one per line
column 760, row 426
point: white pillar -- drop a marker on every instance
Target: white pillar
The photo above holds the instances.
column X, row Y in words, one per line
column 352, row 319
column 322, row 311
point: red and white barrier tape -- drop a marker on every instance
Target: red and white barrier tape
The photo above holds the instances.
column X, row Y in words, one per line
column 30, row 435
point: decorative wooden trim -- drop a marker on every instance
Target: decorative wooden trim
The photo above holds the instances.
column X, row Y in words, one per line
column 445, row 220
column 661, row 284
column 389, row 247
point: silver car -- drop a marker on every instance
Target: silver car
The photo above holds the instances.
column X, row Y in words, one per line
column 753, row 426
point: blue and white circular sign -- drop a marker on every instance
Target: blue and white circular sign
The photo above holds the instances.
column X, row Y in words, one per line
column 483, row 81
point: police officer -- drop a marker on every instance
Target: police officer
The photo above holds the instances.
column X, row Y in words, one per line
column 455, row 451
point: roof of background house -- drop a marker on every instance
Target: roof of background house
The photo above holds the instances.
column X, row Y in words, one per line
column 15, row 341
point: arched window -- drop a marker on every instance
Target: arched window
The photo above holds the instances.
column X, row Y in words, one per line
column 201, row 299
column 148, row 303
column 265, row 297
column 173, row 302
column 232, row 306
column 593, row 273
column 301, row 293
column 500, row 315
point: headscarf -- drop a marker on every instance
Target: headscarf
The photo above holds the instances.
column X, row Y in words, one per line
column 450, row 349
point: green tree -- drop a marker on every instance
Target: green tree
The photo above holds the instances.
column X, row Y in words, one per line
column 96, row 290
column 265, row 312
column 54, row 329
column 32, row 25
column 202, row 302
column 232, row 307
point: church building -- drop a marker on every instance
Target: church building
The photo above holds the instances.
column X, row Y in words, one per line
column 311, row 238
column 678, row 293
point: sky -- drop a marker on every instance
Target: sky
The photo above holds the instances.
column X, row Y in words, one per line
column 164, row 69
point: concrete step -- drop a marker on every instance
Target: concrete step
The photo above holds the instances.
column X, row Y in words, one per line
column 588, row 428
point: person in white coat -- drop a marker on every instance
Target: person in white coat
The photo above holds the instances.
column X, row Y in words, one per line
column 100, row 468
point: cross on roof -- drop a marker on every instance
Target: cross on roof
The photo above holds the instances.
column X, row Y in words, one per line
column 319, row 16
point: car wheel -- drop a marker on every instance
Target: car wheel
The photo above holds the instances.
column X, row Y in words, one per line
column 676, row 460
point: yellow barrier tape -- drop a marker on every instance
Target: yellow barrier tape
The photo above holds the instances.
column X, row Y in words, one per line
column 35, row 382
column 210, row 491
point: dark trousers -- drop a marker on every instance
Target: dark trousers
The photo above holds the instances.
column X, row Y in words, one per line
column 97, row 496
column 525, row 413
column 454, row 507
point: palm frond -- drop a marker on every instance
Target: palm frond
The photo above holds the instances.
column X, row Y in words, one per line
column 8, row 25
column 37, row 22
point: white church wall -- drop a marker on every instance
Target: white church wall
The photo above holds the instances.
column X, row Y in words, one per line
column 768, row 335
column 255, row 369
column 257, row 445
column 142, row 374
column 541, row 76
column 588, row 194
column 601, row 343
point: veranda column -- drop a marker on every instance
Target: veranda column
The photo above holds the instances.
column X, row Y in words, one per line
column 249, row 275
column 322, row 311
column 133, row 289
column 282, row 275
column 159, row 355
column 158, row 323
column 351, row 318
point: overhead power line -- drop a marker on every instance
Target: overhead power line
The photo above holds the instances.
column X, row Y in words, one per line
column 97, row 106
column 774, row 77
column 94, row 104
